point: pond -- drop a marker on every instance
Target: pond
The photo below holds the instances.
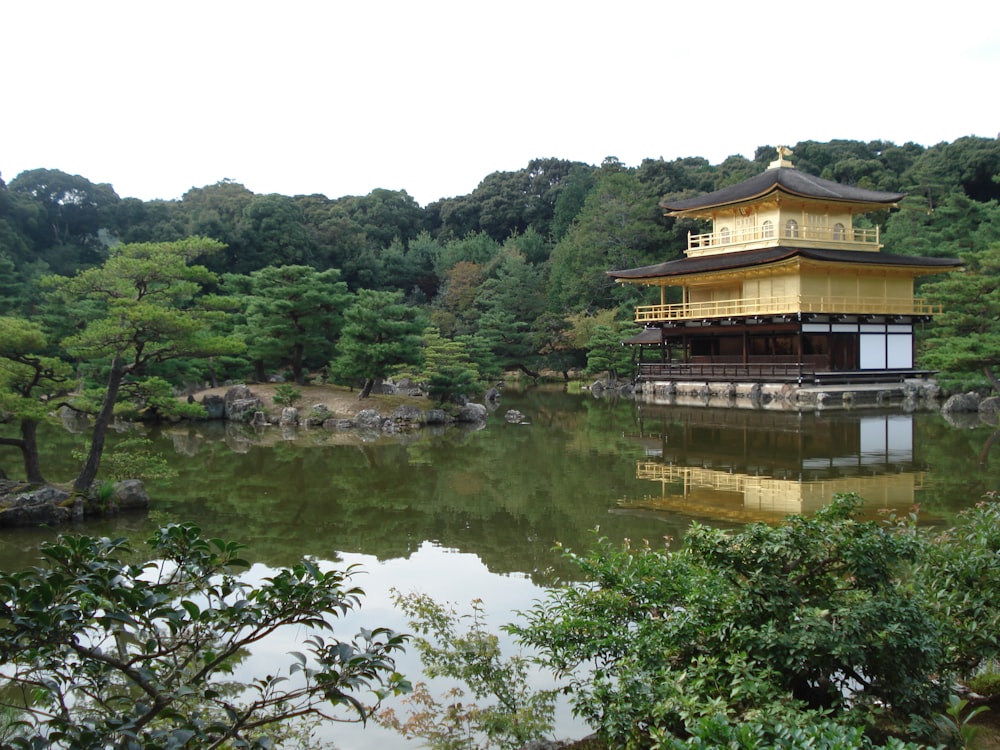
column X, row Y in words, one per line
column 466, row 513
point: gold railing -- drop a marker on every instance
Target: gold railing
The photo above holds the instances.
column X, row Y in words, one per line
column 725, row 238
column 784, row 305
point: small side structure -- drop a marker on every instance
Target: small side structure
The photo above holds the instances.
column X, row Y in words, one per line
column 785, row 290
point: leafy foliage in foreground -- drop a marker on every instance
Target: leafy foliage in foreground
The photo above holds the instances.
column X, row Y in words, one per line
column 98, row 651
column 515, row 713
column 828, row 628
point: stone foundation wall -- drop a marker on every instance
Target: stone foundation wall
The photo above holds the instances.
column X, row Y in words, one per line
column 915, row 394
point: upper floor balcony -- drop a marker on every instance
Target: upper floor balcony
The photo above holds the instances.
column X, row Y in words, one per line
column 784, row 305
column 836, row 237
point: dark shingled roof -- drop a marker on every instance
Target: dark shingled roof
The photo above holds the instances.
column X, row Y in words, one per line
column 788, row 180
column 747, row 258
column 646, row 336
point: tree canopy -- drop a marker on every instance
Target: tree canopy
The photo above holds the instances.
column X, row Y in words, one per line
column 965, row 340
column 516, row 266
column 139, row 309
column 380, row 333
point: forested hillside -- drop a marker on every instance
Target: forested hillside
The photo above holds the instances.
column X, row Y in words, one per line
column 515, row 270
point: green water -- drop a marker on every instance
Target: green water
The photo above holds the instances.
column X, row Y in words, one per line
column 461, row 514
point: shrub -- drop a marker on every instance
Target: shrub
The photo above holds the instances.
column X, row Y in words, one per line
column 114, row 653
column 987, row 683
column 513, row 714
column 758, row 625
column 960, row 580
column 286, row 394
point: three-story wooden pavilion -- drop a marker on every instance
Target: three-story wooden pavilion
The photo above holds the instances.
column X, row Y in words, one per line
column 784, row 288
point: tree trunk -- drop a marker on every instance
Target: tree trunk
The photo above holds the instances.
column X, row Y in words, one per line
column 297, row 364
column 985, row 452
column 211, row 373
column 991, row 376
column 258, row 371
column 29, row 450
column 530, row 373
column 28, row 445
column 367, row 390
column 89, row 471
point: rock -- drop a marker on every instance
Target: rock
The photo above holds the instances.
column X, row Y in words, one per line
column 338, row 424
column 513, row 416
column 241, row 404
column 74, row 421
column 435, row 416
column 24, row 505
column 130, row 494
column 472, row 413
column 236, row 393
column 242, row 410
column 318, row 414
column 289, row 416
column 390, row 427
column 961, row 402
column 385, row 387
column 408, row 387
column 989, row 410
column 259, row 419
column 368, row 419
column 215, row 407
column 930, row 391
column 963, row 420
column 408, row 414
column 807, row 398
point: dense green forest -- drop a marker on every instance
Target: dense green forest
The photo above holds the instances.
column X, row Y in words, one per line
column 111, row 304
column 515, row 270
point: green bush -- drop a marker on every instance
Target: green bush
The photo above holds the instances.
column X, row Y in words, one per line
column 766, row 625
column 501, row 710
column 987, row 683
column 959, row 578
column 286, row 394
column 118, row 654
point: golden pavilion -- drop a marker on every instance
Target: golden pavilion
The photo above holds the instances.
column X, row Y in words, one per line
column 784, row 288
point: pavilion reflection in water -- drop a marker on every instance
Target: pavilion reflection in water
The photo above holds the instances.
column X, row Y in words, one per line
column 739, row 466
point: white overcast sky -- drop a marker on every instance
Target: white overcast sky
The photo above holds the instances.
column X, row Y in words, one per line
column 430, row 96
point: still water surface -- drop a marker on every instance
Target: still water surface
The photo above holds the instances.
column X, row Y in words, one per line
column 462, row 514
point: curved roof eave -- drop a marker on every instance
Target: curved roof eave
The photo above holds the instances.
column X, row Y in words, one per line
column 788, row 180
column 766, row 256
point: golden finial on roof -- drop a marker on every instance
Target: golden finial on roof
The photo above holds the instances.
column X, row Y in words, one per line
column 782, row 161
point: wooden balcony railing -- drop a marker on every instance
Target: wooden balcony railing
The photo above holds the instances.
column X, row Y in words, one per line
column 839, row 236
column 807, row 369
column 790, row 371
column 785, row 305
